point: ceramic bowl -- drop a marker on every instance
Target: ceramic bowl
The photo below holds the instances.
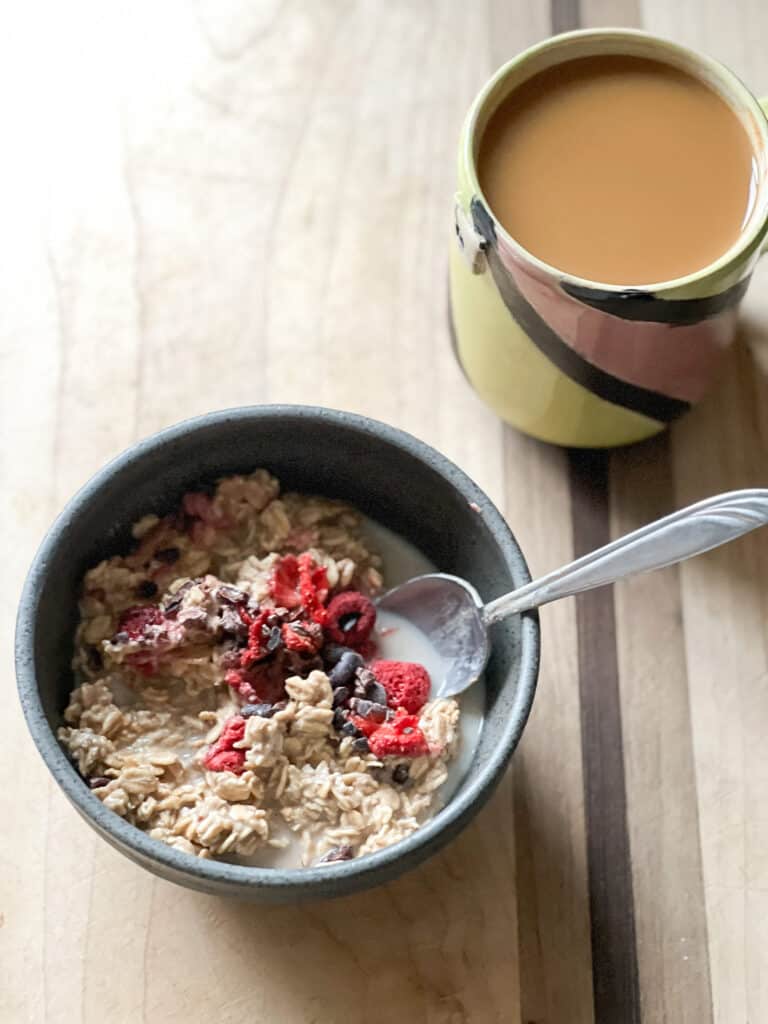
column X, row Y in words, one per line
column 387, row 474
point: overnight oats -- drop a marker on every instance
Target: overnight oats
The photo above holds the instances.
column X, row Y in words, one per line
column 236, row 696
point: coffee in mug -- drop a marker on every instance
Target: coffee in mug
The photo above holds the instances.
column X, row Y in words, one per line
column 612, row 203
column 619, row 169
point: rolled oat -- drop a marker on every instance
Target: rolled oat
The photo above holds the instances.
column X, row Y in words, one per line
column 222, row 698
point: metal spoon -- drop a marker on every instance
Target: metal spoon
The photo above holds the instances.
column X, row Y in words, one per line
column 452, row 615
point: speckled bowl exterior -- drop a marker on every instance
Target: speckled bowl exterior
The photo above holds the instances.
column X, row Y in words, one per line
column 389, row 475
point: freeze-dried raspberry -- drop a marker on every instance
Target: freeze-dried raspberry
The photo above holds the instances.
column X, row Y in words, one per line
column 349, row 619
column 134, row 621
column 146, row 623
column 407, row 683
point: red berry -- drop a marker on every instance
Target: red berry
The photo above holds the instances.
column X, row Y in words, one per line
column 399, row 737
column 257, row 638
column 366, row 725
column 407, row 683
column 349, row 619
column 300, row 583
column 221, row 755
column 260, row 684
column 304, row 637
column 134, row 621
column 313, row 584
column 284, row 583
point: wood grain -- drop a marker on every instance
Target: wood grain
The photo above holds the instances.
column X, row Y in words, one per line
column 722, row 446
column 662, row 808
column 611, row 899
column 553, row 903
column 225, row 203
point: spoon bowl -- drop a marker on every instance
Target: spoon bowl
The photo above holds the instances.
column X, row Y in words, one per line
column 452, row 615
column 449, row 611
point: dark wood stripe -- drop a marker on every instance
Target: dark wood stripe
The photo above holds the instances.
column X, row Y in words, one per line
column 565, row 15
column 605, row 385
column 658, row 746
column 614, row 948
column 611, row 897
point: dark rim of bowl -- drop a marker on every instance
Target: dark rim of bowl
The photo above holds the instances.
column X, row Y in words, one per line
column 449, row 818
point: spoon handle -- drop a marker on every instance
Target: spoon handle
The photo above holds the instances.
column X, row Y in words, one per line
column 691, row 531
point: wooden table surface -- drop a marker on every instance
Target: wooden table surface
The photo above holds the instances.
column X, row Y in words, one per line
column 228, row 202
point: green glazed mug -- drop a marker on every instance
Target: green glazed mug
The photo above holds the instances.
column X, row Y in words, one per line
column 577, row 362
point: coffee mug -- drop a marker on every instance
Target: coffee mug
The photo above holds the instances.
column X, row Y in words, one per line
column 572, row 361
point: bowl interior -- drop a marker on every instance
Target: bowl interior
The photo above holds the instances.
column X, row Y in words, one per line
column 387, row 475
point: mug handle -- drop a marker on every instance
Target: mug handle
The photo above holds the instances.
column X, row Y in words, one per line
column 470, row 243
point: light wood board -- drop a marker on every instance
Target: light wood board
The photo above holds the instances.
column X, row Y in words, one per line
column 222, row 203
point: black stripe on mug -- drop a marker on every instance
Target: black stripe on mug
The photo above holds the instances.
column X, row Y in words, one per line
column 636, row 304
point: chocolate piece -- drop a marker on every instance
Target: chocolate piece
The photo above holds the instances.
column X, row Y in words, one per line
column 232, row 625
column 97, row 781
column 275, row 639
column 147, row 588
column 400, row 774
column 340, row 696
column 262, row 710
column 369, row 710
column 364, row 676
column 343, row 672
column 174, row 602
column 333, row 653
column 375, row 691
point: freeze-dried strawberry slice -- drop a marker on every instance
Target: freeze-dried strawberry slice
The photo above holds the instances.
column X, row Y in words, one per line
column 258, row 637
column 297, row 582
column 399, row 737
column 260, row 684
column 304, row 637
column 221, row 755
